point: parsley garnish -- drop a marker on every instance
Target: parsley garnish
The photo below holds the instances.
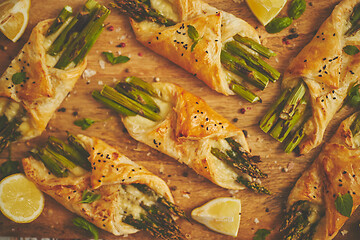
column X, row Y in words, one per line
column 89, row 197
column 351, row 50
column 353, row 98
column 115, row 60
column 344, row 204
column 8, row 168
column 18, row 78
column 82, row 223
column 84, row 123
column 261, row 234
column 193, row 35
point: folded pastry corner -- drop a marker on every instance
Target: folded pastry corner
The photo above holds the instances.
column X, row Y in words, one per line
column 316, row 83
column 45, row 71
column 184, row 127
column 215, row 46
column 312, row 211
column 129, row 197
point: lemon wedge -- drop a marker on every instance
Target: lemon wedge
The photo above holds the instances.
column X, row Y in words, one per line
column 266, row 10
column 220, row 214
column 20, row 200
column 14, row 17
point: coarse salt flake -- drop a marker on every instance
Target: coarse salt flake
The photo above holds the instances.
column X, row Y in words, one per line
column 88, row 73
column 256, row 221
column 100, row 83
column 102, row 64
column 344, row 232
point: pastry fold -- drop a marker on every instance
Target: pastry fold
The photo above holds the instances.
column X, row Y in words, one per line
column 215, row 27
column 334, row 172
column 327, row 71
column 189, row 129
column 44, row 88
column 110, row 171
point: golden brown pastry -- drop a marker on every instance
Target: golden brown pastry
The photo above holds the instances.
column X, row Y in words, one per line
column 214, row 27
column 327, row 71
column 311, row 203
column 194, row 134
column 126, row 189
column 45, row 86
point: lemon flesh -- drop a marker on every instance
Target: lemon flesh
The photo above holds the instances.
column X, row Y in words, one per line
column 14, row 17
column 20, row 200
column 220, row 214
column 266, row 10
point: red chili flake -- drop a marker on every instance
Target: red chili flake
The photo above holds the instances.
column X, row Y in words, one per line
column 121, row 45
column 285, row 41
column 242, row 111
column 110, row 28
column 140, row 54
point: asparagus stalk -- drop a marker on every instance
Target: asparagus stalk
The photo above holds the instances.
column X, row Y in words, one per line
column 283, row 127
column 9, row 132
column 135, row 94
column 69, row 152
column 293, row 101
column 113, row 105
column 253, row 185
column 64, row 15
column 140, row 10
column 355, row 125
column 81, row 44
column 65, row 162
column 295, row 139
column 254, row 61
column 134, row 106
column 244, row 92
column 239, row 67
column 257, row 47
column 76, row 143
column 53, row 166
column 141, row 85
column 301, row 220
column 354, row 20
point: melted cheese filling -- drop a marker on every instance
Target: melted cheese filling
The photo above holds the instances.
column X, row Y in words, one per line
column 166, row 9
column 132, row 199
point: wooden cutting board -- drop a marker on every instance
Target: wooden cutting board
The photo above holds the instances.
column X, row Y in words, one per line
column 190, row 190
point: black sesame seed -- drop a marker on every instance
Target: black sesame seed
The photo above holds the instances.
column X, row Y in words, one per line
column 305, row 60
column 344, row 172
column 320, row 75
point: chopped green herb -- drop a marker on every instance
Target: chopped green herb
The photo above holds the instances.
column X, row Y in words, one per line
column 82, row 223
column 89, row 197
column 18, row 78
column 344, row 204
column 353, row 98
column 297, row 8
column 115, row 60
column 84, row 123
column 278, row 24
column 351, row 50
column 8, row 168
column 261, row 234
column 193, row 35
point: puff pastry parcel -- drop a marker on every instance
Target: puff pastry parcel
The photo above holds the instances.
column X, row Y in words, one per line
column 312, row 211
column 326, row 71
column 33, row 86
column 127, row 191
column 173, row 41
column 191, row 132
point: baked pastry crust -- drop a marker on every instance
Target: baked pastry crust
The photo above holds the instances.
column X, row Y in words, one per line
column 215, row 27
column 327, row 71
column 334, row 171
column 45, row 87
column 111, row 169
column 188, row 131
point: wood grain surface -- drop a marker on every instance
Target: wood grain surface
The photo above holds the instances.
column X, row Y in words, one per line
column 189, row 190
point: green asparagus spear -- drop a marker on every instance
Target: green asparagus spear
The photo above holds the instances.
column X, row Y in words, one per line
column 293, row 101
column 141, row 85
column 69, row 152
column 76, row 143
column 270, row 118
column 257, row 47
column 240, row 68
column 354, row 20
column 111, row 104
column 295, row 139
column 137, row 95
column 253, row 185
column 355, row 125
column 244, row 92
column 140, row 10
column 64, row 15
column 252, row 60
column 66, row 163
column 53, row 166
column 283, row 127
column 134, row 106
